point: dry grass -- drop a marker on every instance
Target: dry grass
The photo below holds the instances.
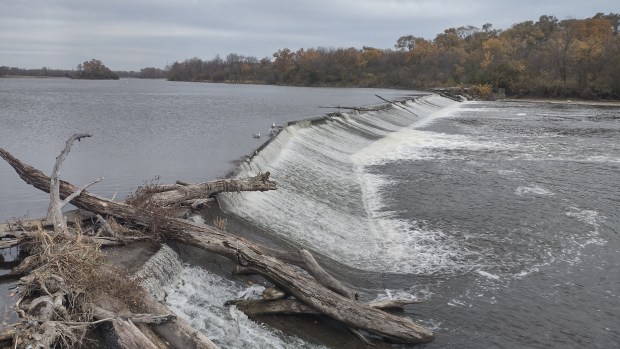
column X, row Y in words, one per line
column 220, row 223
column 76, row 270
column 484, row 91
column 157, row 214
column 80, row 262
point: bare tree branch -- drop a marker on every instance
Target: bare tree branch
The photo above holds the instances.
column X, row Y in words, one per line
column 78, row 192
column 54, row 212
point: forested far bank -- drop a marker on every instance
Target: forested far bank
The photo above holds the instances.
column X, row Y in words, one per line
column 543, row 58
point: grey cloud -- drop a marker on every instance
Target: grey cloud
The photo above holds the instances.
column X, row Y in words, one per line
column 131, row 34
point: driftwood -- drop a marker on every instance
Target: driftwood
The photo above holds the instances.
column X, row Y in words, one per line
column 129, row 336
column 54, row 212
column 256, row 307
column 396, row 105
column 289, row 278
column 179, row 333
column 358, row 109
column 16, row 237
column 313, row 267
column 179, row 193
column 174, row 330
column 272, row 294
column 48, row 304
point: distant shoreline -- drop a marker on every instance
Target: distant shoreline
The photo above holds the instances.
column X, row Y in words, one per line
column 605, row 103
column 530, row 99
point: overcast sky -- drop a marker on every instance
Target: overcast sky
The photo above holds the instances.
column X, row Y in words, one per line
column 133, row 34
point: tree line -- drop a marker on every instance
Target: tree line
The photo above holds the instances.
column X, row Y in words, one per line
column 547, row 58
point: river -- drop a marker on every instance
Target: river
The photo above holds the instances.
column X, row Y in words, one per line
column 502, row 216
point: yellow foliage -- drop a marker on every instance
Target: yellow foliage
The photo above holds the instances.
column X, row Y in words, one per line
column 487, row 60
column 484, row 91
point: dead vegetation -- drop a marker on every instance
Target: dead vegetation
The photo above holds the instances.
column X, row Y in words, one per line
column 67, row 286
column 220, row 223
column 142, row 199
column 68, row 279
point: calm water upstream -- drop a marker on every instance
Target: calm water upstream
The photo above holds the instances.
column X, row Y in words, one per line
column 143, row 129
column 502, row 216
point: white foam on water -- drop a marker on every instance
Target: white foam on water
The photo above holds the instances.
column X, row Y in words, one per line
column 487, row 274
column 590, row 218
column 199, row 300
column 326, row 201
column 535, row 189
column 416, row 293
column 408, row 248
column 524, row 273
column 601, row 159
column 424, row 145
column 252, row 292
column 197, row 219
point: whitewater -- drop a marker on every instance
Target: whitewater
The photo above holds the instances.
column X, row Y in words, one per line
column 496, row 214
column 326, row 200
column 502, row 217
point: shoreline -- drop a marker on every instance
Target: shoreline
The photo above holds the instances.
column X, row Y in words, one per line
column 602, row 103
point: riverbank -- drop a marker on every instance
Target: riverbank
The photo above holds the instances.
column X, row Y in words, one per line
column 601, row 103
column 339, row 334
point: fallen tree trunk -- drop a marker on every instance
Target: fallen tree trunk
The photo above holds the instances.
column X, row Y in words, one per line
column 177, row 331
column 313, row 267
column 256, row 307
column 289, row 278
column 178, row 193
column 129, row 336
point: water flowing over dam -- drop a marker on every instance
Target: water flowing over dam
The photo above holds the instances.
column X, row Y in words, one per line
column 328, row 202
column 485, row 209
column 502, row 217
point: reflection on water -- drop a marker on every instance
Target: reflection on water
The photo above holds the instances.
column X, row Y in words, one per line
column 144, row 129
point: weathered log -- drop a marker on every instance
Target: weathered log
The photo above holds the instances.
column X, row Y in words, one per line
column 394, row 304
column 313, row 267
column 306, row 260
column 245, row 253
column 256, row 307
column 306, row 289
column 128, row 336
column 159, row 342
column 271, row 293
column 165, row 324
column 54, row 212
column 174, row 194
column 7, row 333
column 10, row 243
column 239, row 270
column 196, row 204
column 396, row 105
column 15, row 238
column 177, row 332
column 105, row 226
column 29, row 225
column 358, row 109
column 100, row 313
column 125, row 332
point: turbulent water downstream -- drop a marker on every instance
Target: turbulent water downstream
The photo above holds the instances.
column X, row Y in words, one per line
column 502, row 216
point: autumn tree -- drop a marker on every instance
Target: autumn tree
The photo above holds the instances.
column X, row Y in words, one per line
column 152, row 73
column 94, row 70
column 546, row 57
